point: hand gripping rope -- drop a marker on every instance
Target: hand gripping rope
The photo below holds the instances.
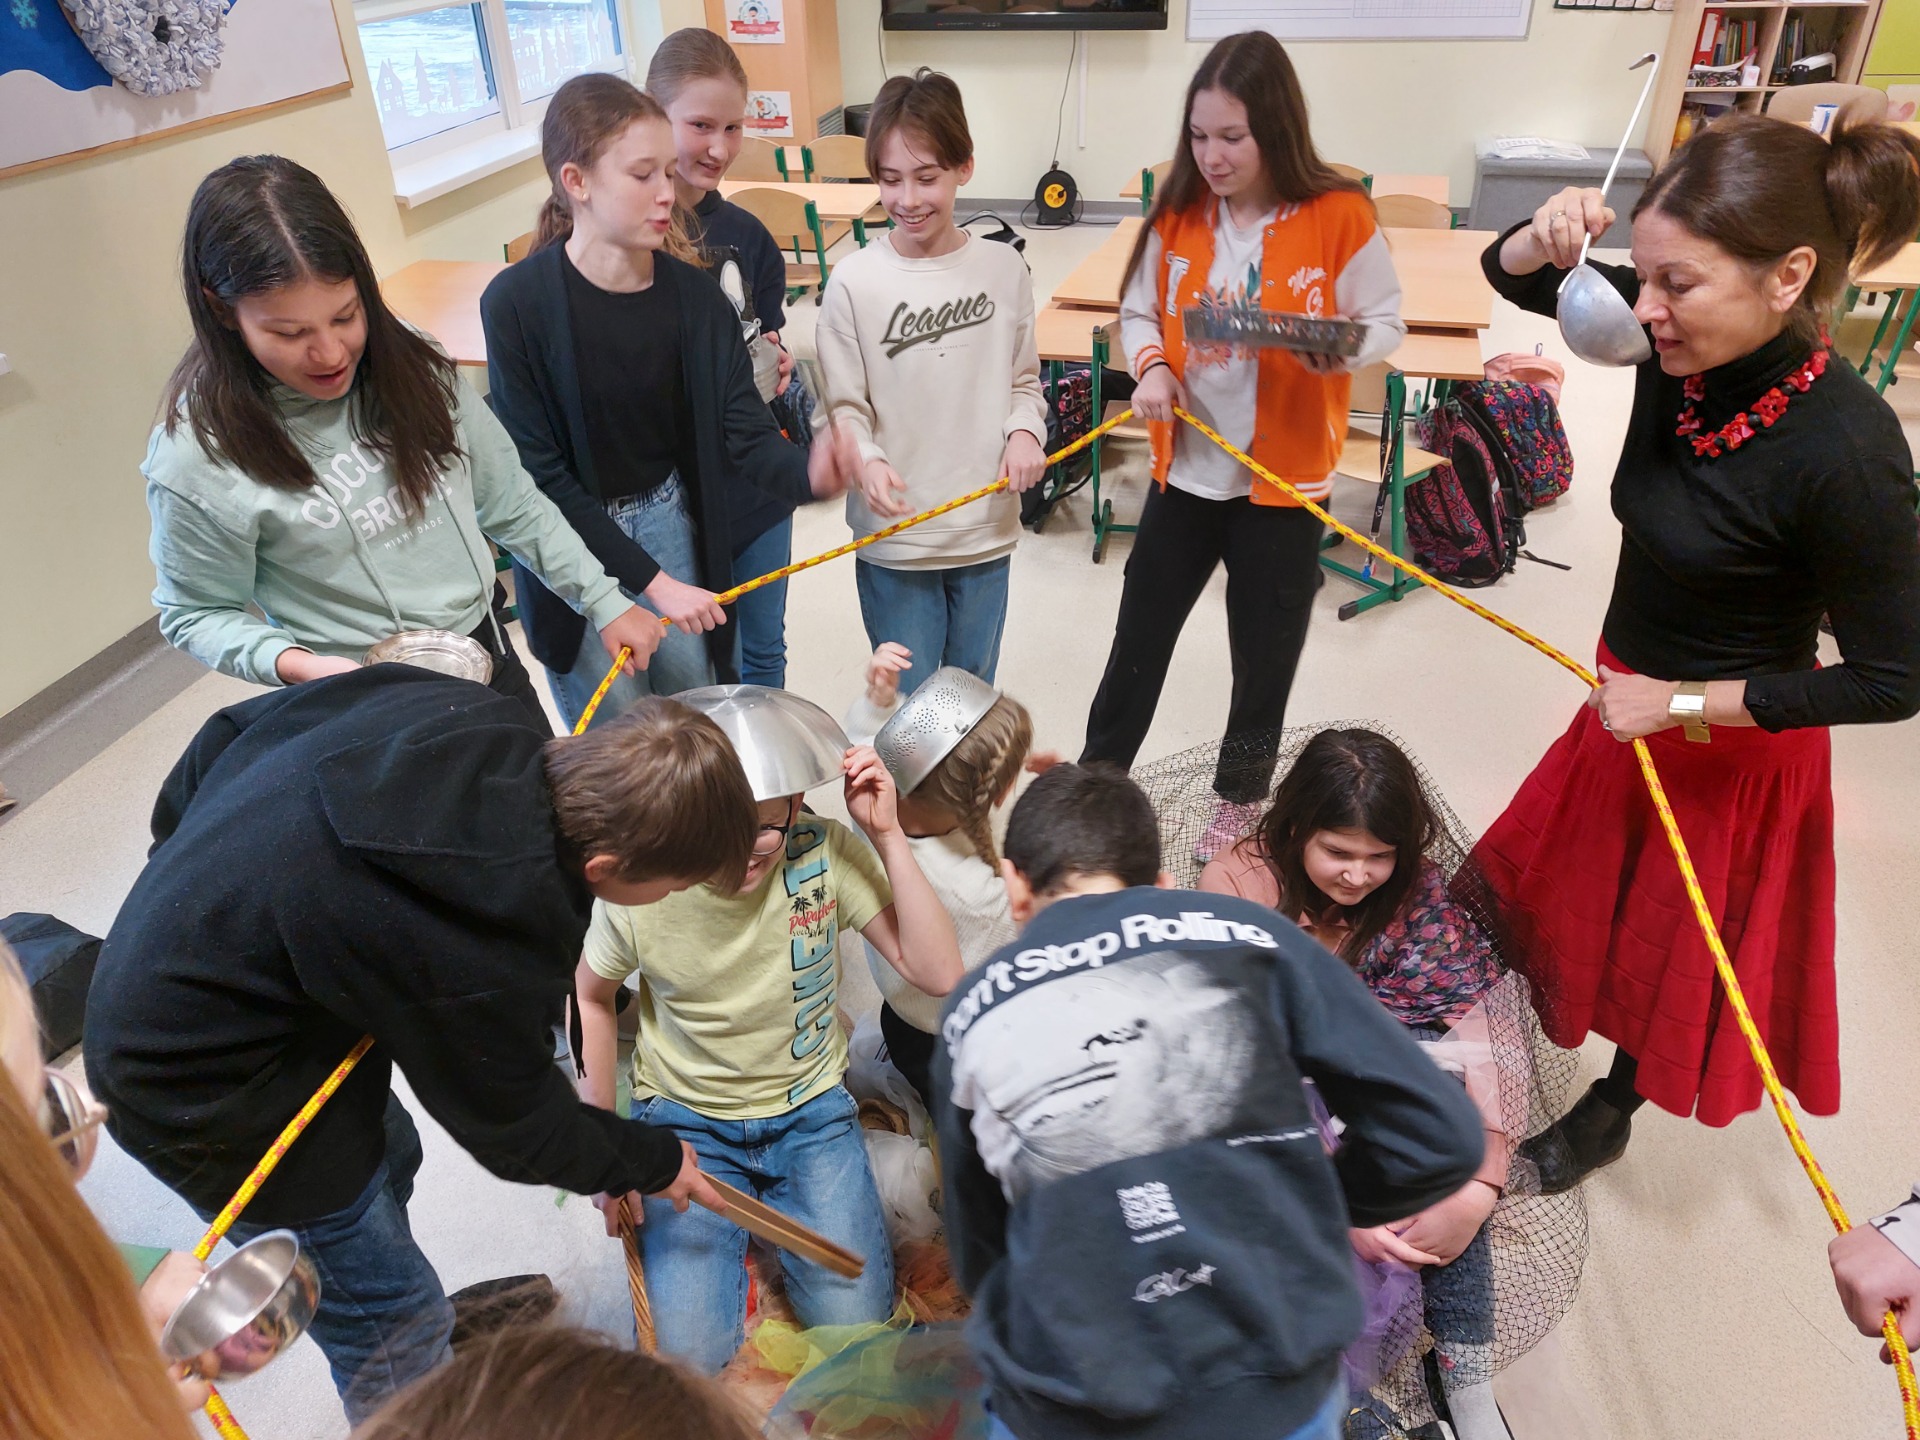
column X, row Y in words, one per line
column 1890, row 1327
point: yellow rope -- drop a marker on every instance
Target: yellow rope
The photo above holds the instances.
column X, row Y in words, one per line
column 1890, row 1327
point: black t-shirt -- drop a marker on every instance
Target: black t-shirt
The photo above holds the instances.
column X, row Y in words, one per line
column 1727, row 563
column 626, row 347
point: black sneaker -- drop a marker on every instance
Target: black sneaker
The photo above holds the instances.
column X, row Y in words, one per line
column 495, row 1305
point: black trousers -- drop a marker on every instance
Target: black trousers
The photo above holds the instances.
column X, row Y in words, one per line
column 1272, row 555
column 510, row 677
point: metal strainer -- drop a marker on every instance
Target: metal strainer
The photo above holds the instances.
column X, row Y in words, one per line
column 930, row 722
column 786, row 745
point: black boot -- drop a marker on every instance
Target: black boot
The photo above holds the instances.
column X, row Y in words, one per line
column 1588, row 1137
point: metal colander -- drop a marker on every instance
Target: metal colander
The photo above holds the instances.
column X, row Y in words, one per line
column 786, row 745
column 930, row 722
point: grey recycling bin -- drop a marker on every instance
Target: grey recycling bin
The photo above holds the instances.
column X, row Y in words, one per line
column 1508, row 191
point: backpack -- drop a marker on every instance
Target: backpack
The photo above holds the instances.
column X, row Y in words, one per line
column 1069, row 416
column 1525, row 425
column 1507, row 454
column 1461, row 524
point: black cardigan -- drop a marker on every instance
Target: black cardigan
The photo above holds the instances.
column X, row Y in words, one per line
column 370, row 854
column 1727, row 564
column 535, row 387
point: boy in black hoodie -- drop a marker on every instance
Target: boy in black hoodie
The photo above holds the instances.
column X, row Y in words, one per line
column 398, row 854
column 1136, row 1196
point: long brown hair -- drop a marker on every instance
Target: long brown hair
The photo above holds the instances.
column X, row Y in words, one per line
column 689, row 55
column 552, row 1383
column 1760, row 188
column 979, row 770
column 1253, row 68
column 585, row 116
column 1348, row 780
column 76, row 1356
column 255, row 225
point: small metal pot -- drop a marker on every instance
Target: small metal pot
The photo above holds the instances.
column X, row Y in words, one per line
column 786, row 745
column 245, row 1310
column 441, row 651
column 930, row 722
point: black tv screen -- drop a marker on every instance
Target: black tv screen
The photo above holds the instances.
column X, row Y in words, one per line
column 1023, row 14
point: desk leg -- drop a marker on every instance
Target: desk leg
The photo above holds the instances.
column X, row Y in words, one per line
column 1904, row 332
column 1102, row 519
column 860, row 232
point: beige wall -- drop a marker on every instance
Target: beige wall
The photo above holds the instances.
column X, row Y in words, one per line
column 1383, row 105
column 91, row 322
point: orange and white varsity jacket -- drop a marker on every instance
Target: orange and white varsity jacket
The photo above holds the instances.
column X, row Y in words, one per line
column 1325, row 257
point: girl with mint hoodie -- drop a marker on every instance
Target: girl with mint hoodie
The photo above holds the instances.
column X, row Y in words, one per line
column 321, row 461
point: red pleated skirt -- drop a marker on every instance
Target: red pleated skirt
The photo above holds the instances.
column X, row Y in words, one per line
column 1601, row 924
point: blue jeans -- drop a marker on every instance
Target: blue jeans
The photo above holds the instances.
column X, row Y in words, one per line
column 1328, row 1422
column 760, row 616
column 383, row 1319
column 659, row 521
column 811, row 1164
column 945, row 617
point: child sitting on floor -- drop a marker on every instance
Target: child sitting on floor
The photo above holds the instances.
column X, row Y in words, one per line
column 1136, row 1196
column 1343, row 850
column 948, row 818
column 740, row 1050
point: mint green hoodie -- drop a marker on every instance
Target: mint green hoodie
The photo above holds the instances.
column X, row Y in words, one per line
column 338, row 567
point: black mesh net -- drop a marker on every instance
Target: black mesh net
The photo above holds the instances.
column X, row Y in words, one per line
column 1459, row 1324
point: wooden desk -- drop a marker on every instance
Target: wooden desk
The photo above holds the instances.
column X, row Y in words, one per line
column 1439, row 355
column 849, row 202
column 442, row 297
column 1441, row 287
column 1095, row 281
column 1898, row 278
column 1902, row 272
column 1427, row 187
column 1067, row 334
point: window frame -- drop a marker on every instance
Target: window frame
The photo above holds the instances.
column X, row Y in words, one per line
column 514, row 113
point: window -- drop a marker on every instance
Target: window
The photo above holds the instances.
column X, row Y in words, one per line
column 444, row 75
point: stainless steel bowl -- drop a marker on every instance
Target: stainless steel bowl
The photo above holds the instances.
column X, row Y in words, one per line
column 441, row 651
column 786, row 745
column 930, row 722
column 245, row 1310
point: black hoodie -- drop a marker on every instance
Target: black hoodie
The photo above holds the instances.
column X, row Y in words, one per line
column 373, row 853
column 1136, row 1195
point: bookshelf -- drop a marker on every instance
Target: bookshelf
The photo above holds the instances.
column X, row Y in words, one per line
column 1776, row 32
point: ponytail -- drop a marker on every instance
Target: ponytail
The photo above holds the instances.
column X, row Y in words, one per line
column 1873, row 190
column 555, row 223
column 1761, row 188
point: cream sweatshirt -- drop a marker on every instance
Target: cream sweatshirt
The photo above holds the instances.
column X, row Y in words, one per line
column 932, row 364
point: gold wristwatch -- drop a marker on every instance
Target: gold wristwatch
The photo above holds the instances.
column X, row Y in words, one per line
column 1689, row 708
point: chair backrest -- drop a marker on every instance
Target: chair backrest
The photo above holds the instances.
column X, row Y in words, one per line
column 838, row 157
column 1369, row 395
column 1859, row 104
column 1412, row 212
column 519, row 247
column 784, row 213
column 1351, row 172
column 758, row 160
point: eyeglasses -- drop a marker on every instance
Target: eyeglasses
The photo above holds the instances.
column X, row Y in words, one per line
column 771, row 839
column 71, row 1118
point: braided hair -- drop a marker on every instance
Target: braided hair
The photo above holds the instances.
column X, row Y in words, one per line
column 979, row 770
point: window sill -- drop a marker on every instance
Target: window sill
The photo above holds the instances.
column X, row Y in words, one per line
column 442, row 174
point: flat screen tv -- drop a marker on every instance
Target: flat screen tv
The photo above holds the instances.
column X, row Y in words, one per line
column 1023, row 14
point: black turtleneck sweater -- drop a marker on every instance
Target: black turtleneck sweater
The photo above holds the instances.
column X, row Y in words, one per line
column 1728, row 563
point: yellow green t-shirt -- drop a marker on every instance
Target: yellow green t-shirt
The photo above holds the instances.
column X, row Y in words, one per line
column 736, row 992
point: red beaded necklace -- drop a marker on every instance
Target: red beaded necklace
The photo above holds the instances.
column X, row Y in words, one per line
column 1767, row 409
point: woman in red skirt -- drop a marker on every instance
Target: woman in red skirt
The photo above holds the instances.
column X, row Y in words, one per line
column 1762, row 485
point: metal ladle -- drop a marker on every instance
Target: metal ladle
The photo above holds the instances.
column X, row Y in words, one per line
column 245, row 1310
column 1595, row 319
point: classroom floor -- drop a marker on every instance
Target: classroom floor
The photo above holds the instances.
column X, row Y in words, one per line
column 1707, row 1306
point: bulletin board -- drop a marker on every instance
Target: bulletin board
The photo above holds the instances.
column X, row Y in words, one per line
column 228, row 59
column 1362, row 19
